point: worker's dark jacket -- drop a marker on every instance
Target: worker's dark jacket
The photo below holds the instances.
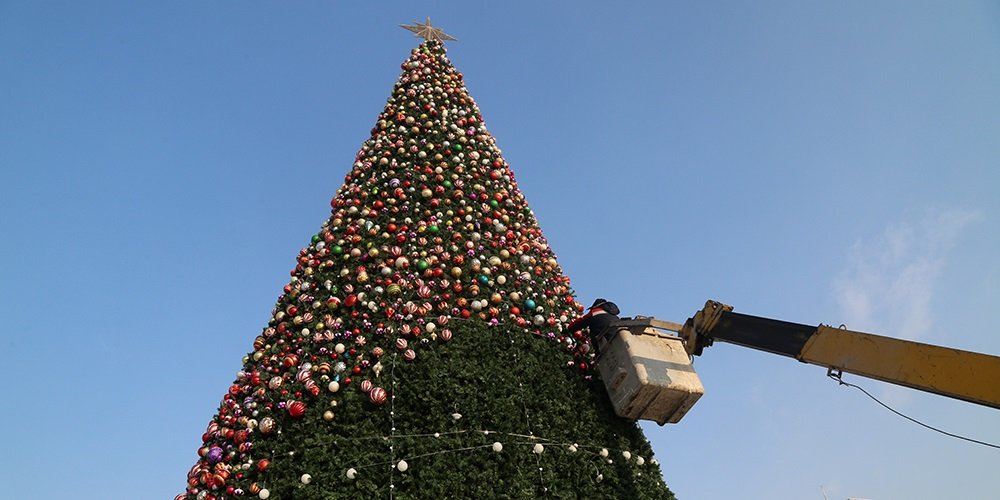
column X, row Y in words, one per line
column 596, row 319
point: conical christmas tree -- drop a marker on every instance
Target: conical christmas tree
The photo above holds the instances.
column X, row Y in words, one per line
column 419, row 349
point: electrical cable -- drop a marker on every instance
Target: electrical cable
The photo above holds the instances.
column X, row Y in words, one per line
column 837, row 377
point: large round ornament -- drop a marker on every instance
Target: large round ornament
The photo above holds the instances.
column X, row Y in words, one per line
column 377, row 396
column 297, row 409
column 214, row 455
column 267, row 425
column 275, row 382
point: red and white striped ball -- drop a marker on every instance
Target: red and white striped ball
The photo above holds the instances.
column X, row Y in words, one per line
column 401, row 344
column 445, row 335
column 396, row 251
column 303, row 375
column 405, row 329
column 410, row 307
column 443, row 319
column 366, row 386
column 409, row 355
column 377, row 396
column 424, row 291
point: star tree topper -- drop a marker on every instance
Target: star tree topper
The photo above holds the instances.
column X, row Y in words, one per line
column 427, row 32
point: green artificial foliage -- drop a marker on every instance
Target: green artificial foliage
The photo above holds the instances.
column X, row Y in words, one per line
column 419, row 349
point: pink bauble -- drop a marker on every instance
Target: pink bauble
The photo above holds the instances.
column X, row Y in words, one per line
column 409, row 355
column 401, row 344
column 445, row 335
column 366, row 386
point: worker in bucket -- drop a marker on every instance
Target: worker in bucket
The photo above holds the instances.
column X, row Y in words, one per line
column 597, row 320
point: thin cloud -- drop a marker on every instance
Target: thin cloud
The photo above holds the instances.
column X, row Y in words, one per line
column 888, row 283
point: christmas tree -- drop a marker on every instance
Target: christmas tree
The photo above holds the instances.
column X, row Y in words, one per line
column 418, row 350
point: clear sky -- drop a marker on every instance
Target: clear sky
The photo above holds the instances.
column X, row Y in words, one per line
column 161, row 163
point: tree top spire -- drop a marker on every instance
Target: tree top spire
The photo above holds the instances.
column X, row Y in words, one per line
column 427, row 32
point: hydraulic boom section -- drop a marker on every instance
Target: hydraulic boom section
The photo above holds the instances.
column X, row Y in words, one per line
column 965, row 375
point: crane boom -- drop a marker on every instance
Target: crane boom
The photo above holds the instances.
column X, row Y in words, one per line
column 964, row 375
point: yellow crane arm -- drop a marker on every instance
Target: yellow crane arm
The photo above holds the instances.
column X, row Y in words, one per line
column 965, row 375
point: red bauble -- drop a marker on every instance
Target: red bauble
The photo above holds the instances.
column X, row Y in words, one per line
column 297, row 409
column 263, row 464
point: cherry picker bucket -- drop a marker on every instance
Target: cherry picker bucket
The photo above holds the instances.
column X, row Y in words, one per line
column 648, row 373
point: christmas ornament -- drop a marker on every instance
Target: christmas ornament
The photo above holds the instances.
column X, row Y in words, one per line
column 267, row 425
column 377, row 396
column 297, row 409
column 214, row 455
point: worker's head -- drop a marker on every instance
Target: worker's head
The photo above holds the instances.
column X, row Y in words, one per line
column 598, row 303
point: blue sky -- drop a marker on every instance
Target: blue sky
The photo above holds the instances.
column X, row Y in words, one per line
column 162, row 163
